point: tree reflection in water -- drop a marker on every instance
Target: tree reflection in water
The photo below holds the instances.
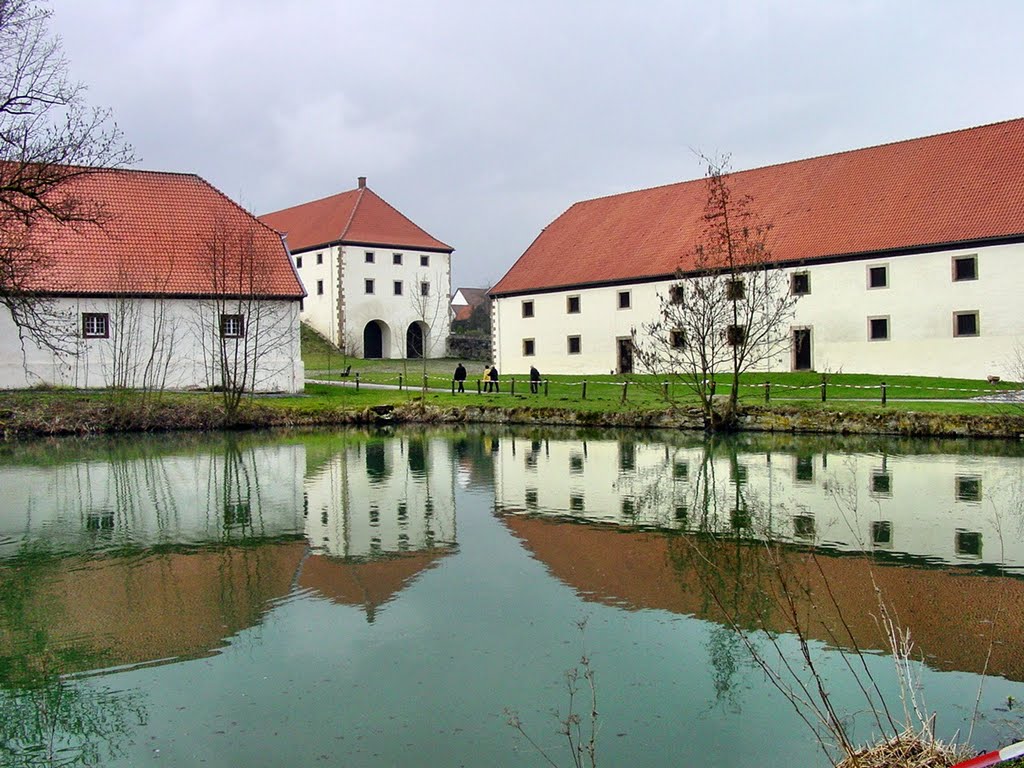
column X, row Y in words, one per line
column 59, row 721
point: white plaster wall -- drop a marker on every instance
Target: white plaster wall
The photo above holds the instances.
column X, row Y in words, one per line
column 397, row 312
column 184, row 332
column 320, row 310
column 354, row 513
column 920, row 302
column 663, row 486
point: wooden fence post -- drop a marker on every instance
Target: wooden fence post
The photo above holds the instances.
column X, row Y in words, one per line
column 767, row 391
column 584, row 390
column 883, row 393
column 357, row 381
column 625, row 389
column 512, row 386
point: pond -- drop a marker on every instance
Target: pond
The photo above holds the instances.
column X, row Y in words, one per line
column 379, row 599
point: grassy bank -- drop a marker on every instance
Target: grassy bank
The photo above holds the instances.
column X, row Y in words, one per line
column 393, row 391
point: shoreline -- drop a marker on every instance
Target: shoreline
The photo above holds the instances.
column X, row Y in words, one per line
column 68, row 416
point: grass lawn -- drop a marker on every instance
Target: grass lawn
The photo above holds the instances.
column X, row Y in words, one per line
column 848, row 392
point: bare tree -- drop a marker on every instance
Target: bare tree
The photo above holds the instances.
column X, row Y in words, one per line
column 49, row 139
column 430, row 304
column 728, row 312
column 241, row 326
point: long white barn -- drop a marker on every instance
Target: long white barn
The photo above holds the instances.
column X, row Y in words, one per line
column 906, row 257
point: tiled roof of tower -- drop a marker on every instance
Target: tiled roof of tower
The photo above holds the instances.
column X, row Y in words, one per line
column 964, row 186
column 160, row 234
column 359, row 216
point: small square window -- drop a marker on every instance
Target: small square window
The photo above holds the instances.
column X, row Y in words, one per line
column 735, row 289
column 965, row 324
column 368, row 286
column 576, row 502
column 528, row 347
column 424, row 289
column 677, row 339
column 396, row 258
column 527, row 309
column 627, row 457
column 681, row 471
column 676, row 294
column 370, row 258
column 232, row 326
column 575, row 464
column 881, row 533
column 968, row 488
column 572, row 305
column 319, row 258
column 740, row 519
column 298, row 262
column 574, row 345
column 531, row 498
column 803, row 526
column 738, row 475
column 805, row 469
column 878, row 328
column 735, row 335
column 878, row 277
column 96, row 325
column 625, row 300
column 424, row 260
column 881, row 483
column 965, row 268
column 968, row 543
column 398, row 287
column 319, row 287
column 800, row 283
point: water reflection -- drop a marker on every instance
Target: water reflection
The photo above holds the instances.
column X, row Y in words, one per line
column 938, row 508
column 714, row 529
column 123, row 556
column 118, row 554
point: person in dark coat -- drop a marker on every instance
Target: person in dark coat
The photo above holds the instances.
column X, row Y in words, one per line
column 492, row 377
column 460, row 376
column 534, row 379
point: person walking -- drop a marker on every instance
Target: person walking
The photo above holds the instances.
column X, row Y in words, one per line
column 486, row 378
column 492, row 376
column 460, row 376
column 534, row 379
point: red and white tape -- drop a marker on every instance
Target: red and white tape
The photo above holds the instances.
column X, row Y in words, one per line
column 994, row 758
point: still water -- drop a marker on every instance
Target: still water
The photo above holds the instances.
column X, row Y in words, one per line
column 368, row 599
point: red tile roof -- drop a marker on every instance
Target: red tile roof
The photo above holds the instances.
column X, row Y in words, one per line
column 158, row 236
column 358, row 216
column 950, row 188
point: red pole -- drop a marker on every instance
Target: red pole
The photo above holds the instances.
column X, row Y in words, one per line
column 994, row 758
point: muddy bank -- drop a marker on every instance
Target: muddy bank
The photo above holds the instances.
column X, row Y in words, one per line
column 68, row 416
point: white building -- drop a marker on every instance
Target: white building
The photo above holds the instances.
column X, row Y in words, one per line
column 906, row 257
column 383, row 497
column 174, row 286
column 944, row 508
column 377, row 284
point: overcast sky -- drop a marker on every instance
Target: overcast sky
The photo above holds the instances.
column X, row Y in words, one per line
column 483, row 121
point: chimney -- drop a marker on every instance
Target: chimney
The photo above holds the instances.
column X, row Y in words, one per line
column 362, row 182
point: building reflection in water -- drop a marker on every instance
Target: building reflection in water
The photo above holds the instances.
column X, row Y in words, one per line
column 713, row 529
column 155, row 553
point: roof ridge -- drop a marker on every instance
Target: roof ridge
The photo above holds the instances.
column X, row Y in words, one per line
column 352, row 215
column 804, row 159
column 393, row 208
